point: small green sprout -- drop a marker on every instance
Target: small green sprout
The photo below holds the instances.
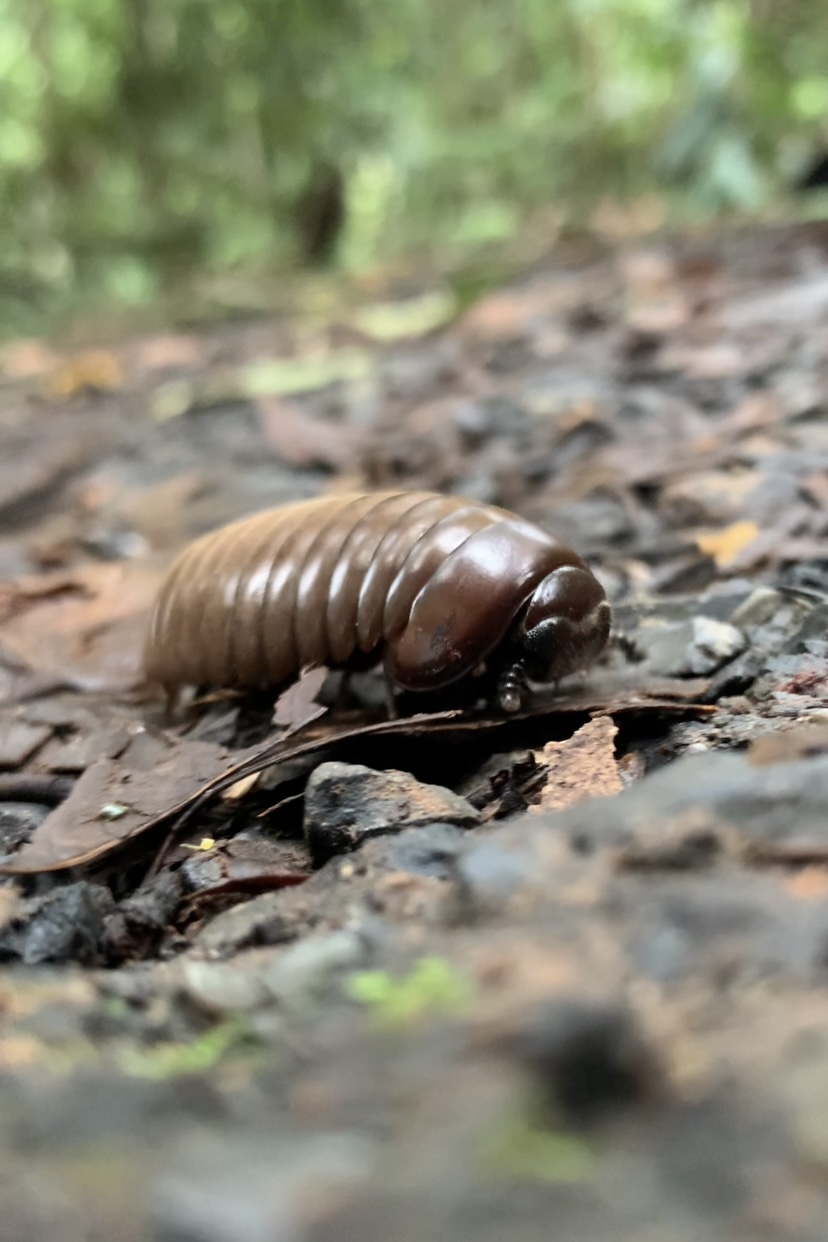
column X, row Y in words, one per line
column 524, row 1151
column 171, row 1060
column 433, row 987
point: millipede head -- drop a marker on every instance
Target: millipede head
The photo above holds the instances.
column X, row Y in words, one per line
column 563, row 628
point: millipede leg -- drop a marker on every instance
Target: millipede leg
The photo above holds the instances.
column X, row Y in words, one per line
column 342, row 695
column 390, row 701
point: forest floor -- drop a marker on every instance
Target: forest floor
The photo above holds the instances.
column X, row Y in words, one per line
column 582, row 986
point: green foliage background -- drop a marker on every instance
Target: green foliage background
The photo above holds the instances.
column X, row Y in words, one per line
column 141, row 139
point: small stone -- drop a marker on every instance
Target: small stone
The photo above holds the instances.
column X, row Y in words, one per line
column 136, row 928
column 692, row 648
column 714, row 643
column 428, row 851
column 18, row 821
column 760, row 607
column 65, row 925
column 665, row 646
column 307, row 968
column 813, row 626
column 20, row 741
column 347, row 803
column 488, row 877
column 260, row 921
column 261, row 1189
column 289, row 977
column 221, row 988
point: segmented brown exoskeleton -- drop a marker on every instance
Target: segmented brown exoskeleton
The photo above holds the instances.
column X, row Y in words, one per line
column 435, row 585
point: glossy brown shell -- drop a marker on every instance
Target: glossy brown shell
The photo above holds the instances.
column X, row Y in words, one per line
column 434, row 580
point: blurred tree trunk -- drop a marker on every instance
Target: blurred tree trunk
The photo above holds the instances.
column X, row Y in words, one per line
column 320, row 214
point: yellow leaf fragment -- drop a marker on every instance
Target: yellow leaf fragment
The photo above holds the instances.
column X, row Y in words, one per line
column 723, row 545
column 239, row 788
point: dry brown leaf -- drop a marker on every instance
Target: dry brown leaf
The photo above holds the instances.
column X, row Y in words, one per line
column 709, row 496
column 117, row 799
column 114, row 798
column 297, row 706
column 9, row 900
column 655, row 299
column 85, row 628
column 21, row 1052
column 719, row 360
column 495, row 317
column 27, row 358
column 61, row 841
column 300, row 439
column 584, row 766
column 514, row 312
column 755, row 412
column 166, row 352
column 160, row 512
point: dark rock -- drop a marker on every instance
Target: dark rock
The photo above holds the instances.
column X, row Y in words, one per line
column 736, row 677
column 693, row 851
column 137, row 927
column 249, row 863
column 730, row 928
column 814, row 626
column 589, row 1059
column 347, row 803
column 596, row 522
column 290, row 976
column 698, row 812
column 492, row 416
column 814, row 176
column 722, row 601
column 260, row 921
column 428, row 851
column 65, row 925
column 691, row 571
column 489, row 874
column 784, row 803
column 307, row 968
column 18, row 821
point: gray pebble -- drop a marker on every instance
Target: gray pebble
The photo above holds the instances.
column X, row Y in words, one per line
column 347, row 803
